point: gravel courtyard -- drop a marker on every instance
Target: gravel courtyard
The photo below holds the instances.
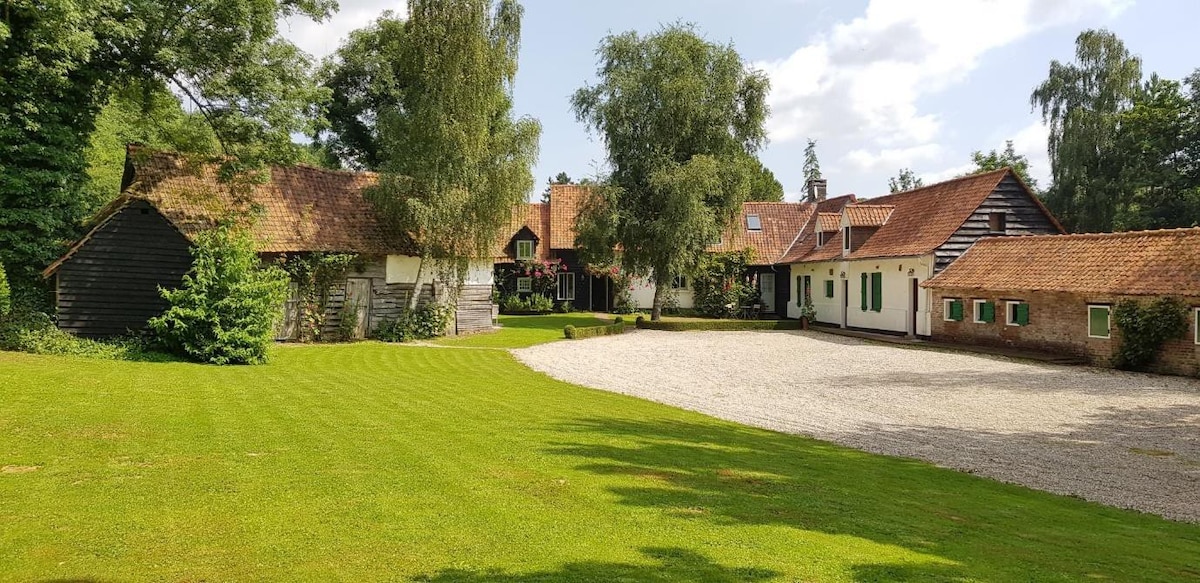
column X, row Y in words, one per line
column 1128, row 440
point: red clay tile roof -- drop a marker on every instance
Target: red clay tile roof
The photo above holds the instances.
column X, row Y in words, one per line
column 303, row 208
column 867, row 215
column 781, row 221
column 1163, row 262
column 828, row 222
column 565, row 200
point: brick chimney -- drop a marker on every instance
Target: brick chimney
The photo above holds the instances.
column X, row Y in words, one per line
column 815, row 189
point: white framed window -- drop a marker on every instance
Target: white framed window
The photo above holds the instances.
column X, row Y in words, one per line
column 1099, row 322
column 1196, row 322
column 566, row 286
column 820, row 239
column 680, row 282
column 524, row 249
column 524, row 284
column 977, row 311
column 1016, row 313
column 845, row 238
column 952, row 310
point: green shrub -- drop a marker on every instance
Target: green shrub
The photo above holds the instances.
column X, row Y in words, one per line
column 722, row 325
column 540, row 303
column 425, row 322
column 348, row 323
column 35, row 333
column 618, row 320
column 574, row 333
column 513, row 304
column 564, row 307
column 1144, row 329
column 5, row 294
column 639, row 321
column 226, row 308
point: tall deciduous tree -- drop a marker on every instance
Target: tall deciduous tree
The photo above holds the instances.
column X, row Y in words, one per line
column 679, row 116
column 905, row 180
column 456, row 163
column 61, row 60
column 1008, row 158
column 812, row 166
column 365, row 77
column 763, row 184
column 1082, row 103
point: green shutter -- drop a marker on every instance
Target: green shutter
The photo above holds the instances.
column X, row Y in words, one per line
column 987, row 312
column 829, row 288
column 863, row 303
column 1022, row 314
column 956, row 310
column 877, row 292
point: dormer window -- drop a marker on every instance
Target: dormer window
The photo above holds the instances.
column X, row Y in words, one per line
column 820, row 239
column 753, row 222
column 524, row 250
column 846, row 239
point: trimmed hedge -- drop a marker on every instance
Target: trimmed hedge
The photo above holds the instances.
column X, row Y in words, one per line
column 721, row 325
column 574, row 333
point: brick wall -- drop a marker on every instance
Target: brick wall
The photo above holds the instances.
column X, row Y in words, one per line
column 1058, row 323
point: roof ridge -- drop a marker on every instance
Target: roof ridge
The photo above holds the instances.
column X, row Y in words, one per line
column 1113, row 235
column 1005, row 169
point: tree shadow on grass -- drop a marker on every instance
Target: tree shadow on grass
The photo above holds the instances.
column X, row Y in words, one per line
column 985, row 530
column 671, row 565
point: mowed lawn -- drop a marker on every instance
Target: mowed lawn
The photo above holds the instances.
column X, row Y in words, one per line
column 374, row 462
column 523, row 331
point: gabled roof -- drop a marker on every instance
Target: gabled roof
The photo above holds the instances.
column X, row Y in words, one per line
column 1165, row 262
column 780, row 223
column 828, row 219
column 867, row 215
column 532, row 216
column 297, row 209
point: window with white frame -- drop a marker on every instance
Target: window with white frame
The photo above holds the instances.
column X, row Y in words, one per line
column 566, row 286
column 846, row 239
column 952, row 310
column 980, row 312
column 1016, row 313
column 820, row 239
column 679, row 282
column 1100, row 322
column 524, row 249
column 524, row 284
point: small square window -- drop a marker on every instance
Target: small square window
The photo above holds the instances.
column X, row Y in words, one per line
column 524, row 250
column 997, row 222
column 829, row 288
column 1016, row 313
column 984, row 312
column 952, row 310
column 753, row 222
column 524, row 284
column 680, row 282
column 1099, row 322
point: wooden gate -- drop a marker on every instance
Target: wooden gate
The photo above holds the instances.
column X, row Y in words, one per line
column 474, row 312
column 289, row 322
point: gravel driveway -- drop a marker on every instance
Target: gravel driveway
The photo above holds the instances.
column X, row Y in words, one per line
column 1123, row 439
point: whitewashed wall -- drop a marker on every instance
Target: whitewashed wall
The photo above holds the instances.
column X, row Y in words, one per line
column 897, row 275
column 403, row 269
column 643, row 295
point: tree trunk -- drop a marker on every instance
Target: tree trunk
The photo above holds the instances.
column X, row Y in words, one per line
column 415, row 300
column 662, row 287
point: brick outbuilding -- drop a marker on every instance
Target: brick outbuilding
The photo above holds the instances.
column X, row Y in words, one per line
column 1056, row 293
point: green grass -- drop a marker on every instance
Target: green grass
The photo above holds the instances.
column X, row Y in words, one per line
column 383, row 462
column 523, row 331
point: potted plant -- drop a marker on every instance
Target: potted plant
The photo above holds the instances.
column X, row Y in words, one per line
column 807, row 314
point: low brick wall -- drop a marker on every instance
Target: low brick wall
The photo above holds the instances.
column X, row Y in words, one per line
column 1058, row 324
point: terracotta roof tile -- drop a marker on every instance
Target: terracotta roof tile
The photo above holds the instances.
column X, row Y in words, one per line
column 303, row 208
column 1163, row 262
column 867, row 215
column 829, row 222
column 565, row 200
column 535, row 216
column 781, row 221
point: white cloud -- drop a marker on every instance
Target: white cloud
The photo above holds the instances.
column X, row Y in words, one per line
column 1031, row 142
column 320, row 39
column 891, row 159
column 862, row 81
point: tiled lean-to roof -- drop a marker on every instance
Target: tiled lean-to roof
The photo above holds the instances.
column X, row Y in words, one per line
column 780, row 221
column 1163, row 262
column 867, row 215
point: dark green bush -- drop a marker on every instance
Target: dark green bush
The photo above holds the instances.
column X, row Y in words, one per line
column 540, row 303
column 574, row 333
column 425, row 322
column 618, row 320
column 227, row 306
column 35, row 333
column 1144, row 329
column 722, row 325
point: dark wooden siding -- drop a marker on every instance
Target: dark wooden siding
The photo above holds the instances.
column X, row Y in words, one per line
column 1023, row 217
column 110, row 285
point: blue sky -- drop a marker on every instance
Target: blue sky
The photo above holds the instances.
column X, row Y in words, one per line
column 880, row 84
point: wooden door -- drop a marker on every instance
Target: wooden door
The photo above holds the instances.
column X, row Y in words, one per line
column 289, row 321
column 358, row 304
column 766, row 288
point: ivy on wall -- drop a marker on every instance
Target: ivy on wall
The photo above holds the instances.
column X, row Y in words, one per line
column 315, row 275
column 1145, row 328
